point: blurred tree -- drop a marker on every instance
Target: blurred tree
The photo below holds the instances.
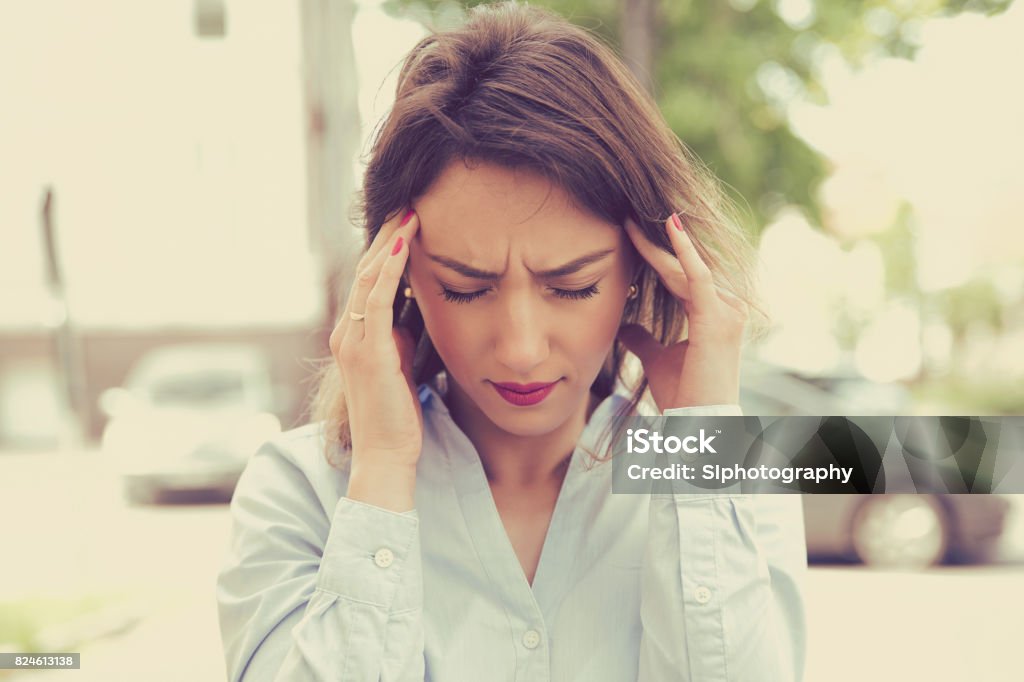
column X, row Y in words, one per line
column 724, row 72
column 897, row 248
column 332, row 138
column 638, row 32
column 973, row 302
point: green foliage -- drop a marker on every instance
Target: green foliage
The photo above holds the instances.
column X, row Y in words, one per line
column 974, row 302
column 967, row 395
column 897, row 247
column 724, row 72
column 21, row 621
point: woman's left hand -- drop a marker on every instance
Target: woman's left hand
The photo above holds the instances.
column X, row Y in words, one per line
column 705, row 368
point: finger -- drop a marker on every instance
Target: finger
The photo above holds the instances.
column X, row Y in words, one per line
column 698, row 274
column 380, row 304
column 366, row 262
column 364, row 282
column 348, row 331
column 385, row 235
column 666, row 264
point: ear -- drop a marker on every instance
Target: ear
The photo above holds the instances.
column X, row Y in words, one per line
column 636, row 268
column 405, row 281
column 635, row 260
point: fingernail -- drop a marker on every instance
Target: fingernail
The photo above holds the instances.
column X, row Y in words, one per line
column 678, row 223
column 407, row 216
column 398, row 246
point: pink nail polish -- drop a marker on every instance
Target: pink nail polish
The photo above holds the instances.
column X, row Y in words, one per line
column 678, row 223
column 397, row 247
column 406, row 218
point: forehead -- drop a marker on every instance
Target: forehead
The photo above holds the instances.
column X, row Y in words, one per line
column 484, row 210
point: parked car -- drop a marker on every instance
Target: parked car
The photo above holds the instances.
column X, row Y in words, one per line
column 893, row 530
column 904, row 530
column 188, row 417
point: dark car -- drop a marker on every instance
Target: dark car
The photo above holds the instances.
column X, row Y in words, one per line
column 904, row 530
column 896, row 530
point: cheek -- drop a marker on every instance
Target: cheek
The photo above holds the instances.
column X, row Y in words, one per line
column 605, row 325
column 447, row 324
column 608, row 319
column 592, row 333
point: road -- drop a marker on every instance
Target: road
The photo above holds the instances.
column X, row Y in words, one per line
column 73, row 536
column 67, row 533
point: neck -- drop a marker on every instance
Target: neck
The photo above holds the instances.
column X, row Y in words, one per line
column 510, row 460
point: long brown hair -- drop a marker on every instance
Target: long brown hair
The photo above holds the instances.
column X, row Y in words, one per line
column 519, row 86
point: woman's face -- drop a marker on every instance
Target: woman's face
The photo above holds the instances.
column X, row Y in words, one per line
column 516, row 285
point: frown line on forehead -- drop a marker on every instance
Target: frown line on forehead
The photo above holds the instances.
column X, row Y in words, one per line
column 569, row 268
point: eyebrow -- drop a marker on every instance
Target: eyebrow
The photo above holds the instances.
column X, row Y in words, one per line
column 560, row 271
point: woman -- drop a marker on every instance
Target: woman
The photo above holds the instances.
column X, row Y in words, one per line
column 449, row 516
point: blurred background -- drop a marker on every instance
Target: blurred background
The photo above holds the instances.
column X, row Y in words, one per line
column 175, row 192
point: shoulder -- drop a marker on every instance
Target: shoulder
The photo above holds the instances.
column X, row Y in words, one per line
column 304, row 447
column 291, row 469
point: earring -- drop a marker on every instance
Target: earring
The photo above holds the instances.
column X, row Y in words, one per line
column 408, row 292
column 633, row 291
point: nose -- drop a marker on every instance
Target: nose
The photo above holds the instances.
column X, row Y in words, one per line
column 521, row 336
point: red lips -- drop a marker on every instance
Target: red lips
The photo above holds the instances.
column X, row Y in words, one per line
column 523, row 388
column 524, row 395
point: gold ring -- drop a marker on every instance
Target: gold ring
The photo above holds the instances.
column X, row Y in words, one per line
column 356, row 316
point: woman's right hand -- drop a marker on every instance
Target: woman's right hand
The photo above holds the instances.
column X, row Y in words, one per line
column 375, row 359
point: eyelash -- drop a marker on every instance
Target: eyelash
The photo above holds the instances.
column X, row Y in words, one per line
column 568, row 294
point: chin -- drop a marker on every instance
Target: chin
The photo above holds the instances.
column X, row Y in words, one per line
column 539, row 420
column 528, row 426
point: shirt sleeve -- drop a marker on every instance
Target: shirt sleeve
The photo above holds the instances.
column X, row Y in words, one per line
column 722, row 586
column 303, row 595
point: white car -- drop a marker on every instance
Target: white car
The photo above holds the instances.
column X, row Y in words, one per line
column 188, row 417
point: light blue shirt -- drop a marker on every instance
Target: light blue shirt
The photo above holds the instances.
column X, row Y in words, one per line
column 656, row 588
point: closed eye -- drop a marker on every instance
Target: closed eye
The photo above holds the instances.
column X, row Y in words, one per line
column 567, row 294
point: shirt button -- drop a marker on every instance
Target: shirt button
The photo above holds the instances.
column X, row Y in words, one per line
column 702, row 595
column 531, row 638
column 383, row 557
